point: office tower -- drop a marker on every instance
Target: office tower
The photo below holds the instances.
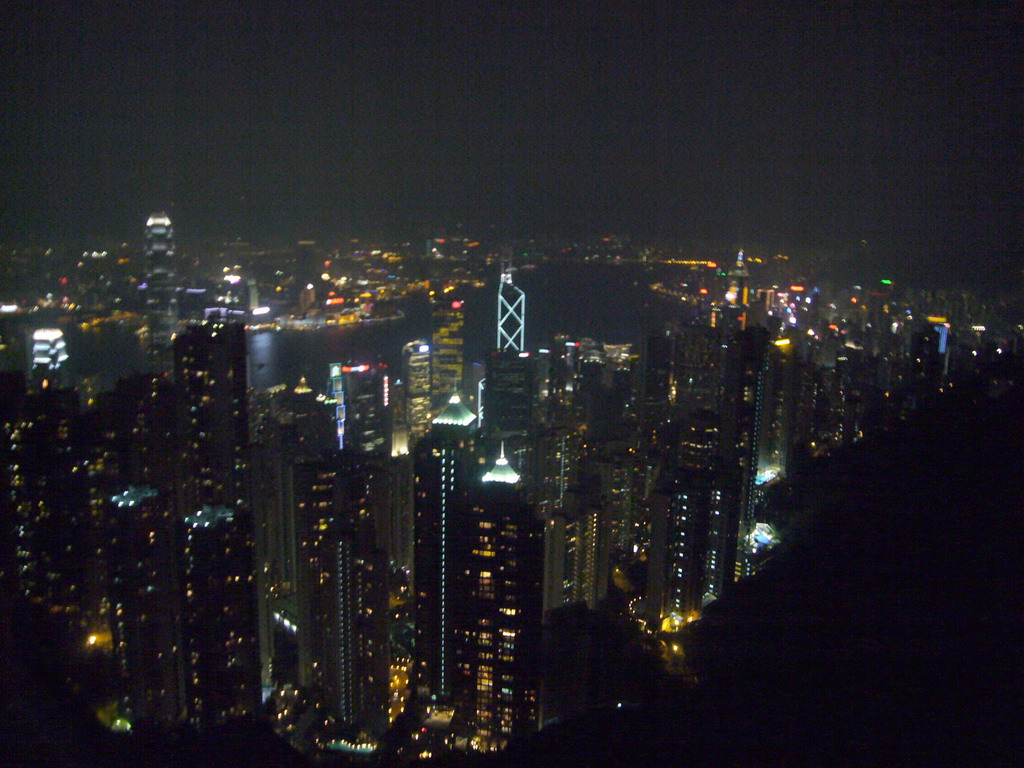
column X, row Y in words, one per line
column 145, row 605
column 219, row 622
column 161, row 304
column 49, row 353
column 443, row 466
column 416, row 379
column 738, row 293
column 511, row 312
column 213, row 426
column 496, row 615
column 446, row 361
column 342, row 592
column 508, row 393
column 159, row 244
column 362, row 395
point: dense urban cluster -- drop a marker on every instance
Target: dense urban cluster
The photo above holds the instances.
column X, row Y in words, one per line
column 444, row 554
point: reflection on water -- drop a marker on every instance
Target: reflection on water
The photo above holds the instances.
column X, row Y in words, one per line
column 608, row 303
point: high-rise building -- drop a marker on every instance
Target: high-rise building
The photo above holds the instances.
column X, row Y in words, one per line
column 288, row 426
column 745, row 418
column 511, row 312
column 219, row 626
column 656, row 381
column 49, row 353
column 219, row 616
column 446, row 360
column 342, row 591
column 213, row 425
column 363, row 397
column 160, row 244
column 45, row 498
column 697, row 367
column 508, row 393
column 416, row 380
column 161, row 303
column 496, row 617
column 145, row 604
column 443, row 467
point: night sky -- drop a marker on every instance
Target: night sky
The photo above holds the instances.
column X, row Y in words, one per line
column 796, row 124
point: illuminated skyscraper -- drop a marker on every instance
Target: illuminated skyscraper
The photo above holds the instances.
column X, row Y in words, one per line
column 496, row 618
column 160, row 245
column 213, row 424
column 446, row 344
column 511, row 312
column 362, row 399
column 416, row 379
column 342, row 591
column 161, row 304
column 49, row 353
column 443, row 468
column 219, row 627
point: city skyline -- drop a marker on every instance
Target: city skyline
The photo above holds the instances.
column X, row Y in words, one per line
column 452, row 383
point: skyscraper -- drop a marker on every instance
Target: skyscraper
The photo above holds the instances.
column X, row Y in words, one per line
column 447, row 320
column 49, row 353
column 416, row 379
column 342, row 591
column 496, row 615
column 443, row 468
column 219, row 617
column 160, row 245
column 161, row 304
column 362, row 395
column 145, row 604
column 213, row 424
column 219, row 627
column 508, row 393
column 511, row 312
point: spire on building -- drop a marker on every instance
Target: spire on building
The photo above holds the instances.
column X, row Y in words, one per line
column 502, row 471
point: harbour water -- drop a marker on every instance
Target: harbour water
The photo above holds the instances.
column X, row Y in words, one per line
column 610, row 303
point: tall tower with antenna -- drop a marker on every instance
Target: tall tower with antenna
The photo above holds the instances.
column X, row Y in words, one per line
column 511, row 311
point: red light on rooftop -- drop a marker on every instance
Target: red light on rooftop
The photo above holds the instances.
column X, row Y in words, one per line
column 704, row 291
column 456, row 305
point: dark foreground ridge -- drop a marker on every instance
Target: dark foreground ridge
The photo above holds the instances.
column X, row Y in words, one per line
column 888, row 634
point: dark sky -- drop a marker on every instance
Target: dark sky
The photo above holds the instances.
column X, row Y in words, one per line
column 796, row 124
